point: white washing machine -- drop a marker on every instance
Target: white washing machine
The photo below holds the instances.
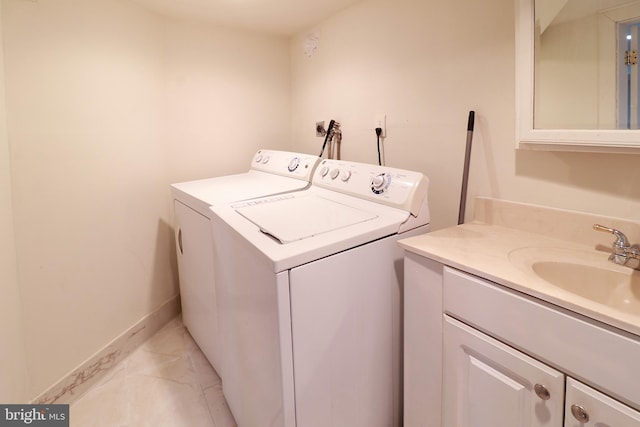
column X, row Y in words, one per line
column 310, row 291
column 271, row 172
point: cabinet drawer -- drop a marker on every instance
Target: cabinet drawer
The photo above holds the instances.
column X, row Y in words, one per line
column 592, row 352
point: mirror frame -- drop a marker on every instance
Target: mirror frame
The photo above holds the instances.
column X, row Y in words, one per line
column 528, row 137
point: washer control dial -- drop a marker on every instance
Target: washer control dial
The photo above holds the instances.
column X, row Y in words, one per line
column 293, row 164
column 266, row 160
column 380, row 183
column 335, row 173
column 345, row 175
column 324, row 171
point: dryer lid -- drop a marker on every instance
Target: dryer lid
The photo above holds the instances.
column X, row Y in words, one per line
column 289, row 219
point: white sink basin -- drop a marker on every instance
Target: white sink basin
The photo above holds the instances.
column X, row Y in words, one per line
column 587, row 274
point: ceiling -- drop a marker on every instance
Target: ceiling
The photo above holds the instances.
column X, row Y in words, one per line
column 579, row 9
column 281, row 17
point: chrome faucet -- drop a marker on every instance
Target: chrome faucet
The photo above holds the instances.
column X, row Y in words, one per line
column 623, row 252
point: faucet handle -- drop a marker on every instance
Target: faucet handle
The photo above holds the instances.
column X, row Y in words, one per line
column 621, row 239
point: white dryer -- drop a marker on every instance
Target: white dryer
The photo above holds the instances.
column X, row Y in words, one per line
column 271, row 172
column 310, row 291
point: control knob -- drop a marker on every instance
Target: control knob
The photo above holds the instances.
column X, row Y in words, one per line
column 293, row 164
column 379, row 183
column 324, row 171
column 335, row 173
column 345, row 175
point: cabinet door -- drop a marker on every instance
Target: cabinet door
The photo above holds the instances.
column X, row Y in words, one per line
column 588, row 406
column 487, row 383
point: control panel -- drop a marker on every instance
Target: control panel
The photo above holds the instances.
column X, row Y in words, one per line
column 394, row 187
column 295, row 165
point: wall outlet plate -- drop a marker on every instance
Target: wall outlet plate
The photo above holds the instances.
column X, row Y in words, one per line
column 381, row 122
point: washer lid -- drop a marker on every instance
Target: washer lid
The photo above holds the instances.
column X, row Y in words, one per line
column 289, row 219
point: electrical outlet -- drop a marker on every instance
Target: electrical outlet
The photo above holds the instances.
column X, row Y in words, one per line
column 381, row 122
column 320, row 130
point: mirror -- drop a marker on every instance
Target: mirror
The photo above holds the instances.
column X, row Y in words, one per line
column 576, row 85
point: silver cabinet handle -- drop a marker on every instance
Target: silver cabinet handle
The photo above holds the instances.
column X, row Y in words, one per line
column 542, row 392
column 579, row 413
column 180, row 241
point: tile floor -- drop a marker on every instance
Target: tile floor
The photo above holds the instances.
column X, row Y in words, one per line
column 167, row 381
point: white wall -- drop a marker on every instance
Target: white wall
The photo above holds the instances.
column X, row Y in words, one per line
column 13, row 387
column 426, row 64
column 228, row 95
column 107, row 104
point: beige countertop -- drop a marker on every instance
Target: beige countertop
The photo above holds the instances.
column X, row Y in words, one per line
column 501, row 248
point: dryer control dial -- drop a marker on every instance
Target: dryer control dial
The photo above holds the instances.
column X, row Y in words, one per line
column 265, row 160
column 380, row 183
column 293, row 164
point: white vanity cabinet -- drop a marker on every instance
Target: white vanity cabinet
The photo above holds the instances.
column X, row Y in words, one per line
column 492, row 356
column 487, row 383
